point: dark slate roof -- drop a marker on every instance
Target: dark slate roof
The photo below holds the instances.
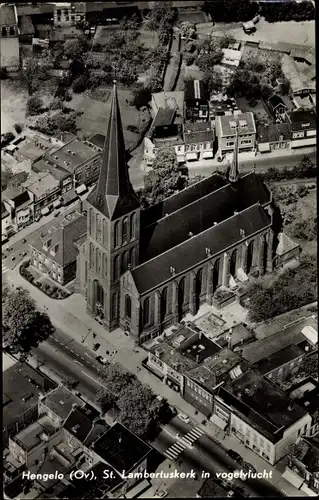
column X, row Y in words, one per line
column 69, row 196
column 164, row 117
column 114, row 195
column 275, row 100
column 299, row 118
column 17, row 195
column 79, row 423
column 200, row 215
column 212, row 489
column 84, row 489
column 273, row 131
column 201, row 92
column 278, row 359
column 193, row 251
column 98, row 140
column 181, row 199
column 120, row 448
column 7, row 17
column 4, row 212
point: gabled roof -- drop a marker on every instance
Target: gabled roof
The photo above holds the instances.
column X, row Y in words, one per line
column 192, row 251
column 18, row 195
column 198, row 216
column 114, row 195
column 275, row 100
column 7, row 16
column 285, row 244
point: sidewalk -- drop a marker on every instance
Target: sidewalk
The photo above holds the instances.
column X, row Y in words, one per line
column 71, row 317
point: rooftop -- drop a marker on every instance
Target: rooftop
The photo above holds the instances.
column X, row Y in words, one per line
column 193, row 250
column 302, row 120
column 48, row 166
column 21, row 380
column 198, row 132
column 212, row 489
column 239, row 334
column 72, row 155
column 172, row 357
column 43, row 184
column 285, row 244
column 246, row 124
column 181, row 199
column 306, row 394
column 307, row 452
column 97, row 140
column 278, row 359
column 235, row 55
column 35, row 433
column 221, row 106
column 60, row 239
column 196, row 89
column 164, row 117
column 18, row 195
column 80, row 422
column 275, row 100
column 263, row 348
column 298, row 81
column 172, row 100
column 61, row 401
column 7, row 16
column 267, row 406
column 197, row 216
column 273, row 132
column 120, row 448
column 222, row 367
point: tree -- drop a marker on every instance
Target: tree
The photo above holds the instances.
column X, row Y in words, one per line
column 80, row 84
column 229, row 11
column 59, row 122
column 6, row 139
column 23, row 325
column 116, row 378
column 34, row 106
column 162, row 14
column 18, row 128
column 35, row 70
column 141, row 97
column 75, row 48
column 105, row 399
column 288, row 11
column 225, row 41
column 213, row 80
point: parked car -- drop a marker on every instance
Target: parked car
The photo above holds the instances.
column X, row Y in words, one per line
column 101, row 360
column 96, row 346
column 24, row 254
column 247, row 466
column 24, row 240
column 234, row 455
column 57, row 214
column 13, row 257
column 184, row 418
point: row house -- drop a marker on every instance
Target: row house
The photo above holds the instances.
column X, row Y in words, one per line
column 227, row 127
column 9, row 38
column 18, row 204
column 44, row 190
column 303, row 125
column 196, row 101
column 302, row 467
column 273, row 136
column 199, row 139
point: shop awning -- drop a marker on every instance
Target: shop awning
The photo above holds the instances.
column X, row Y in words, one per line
column 57, row 203
column 208, row 154
column 292, row 478
column 218, row 421
column 191, row 156
column 45, row 211
column 308, row 491
column 311, row 141
column 81, row 189
column 69, row 197
column 263, row 147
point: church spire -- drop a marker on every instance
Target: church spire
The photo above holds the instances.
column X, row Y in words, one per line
column 233, row 173
column 114, row 195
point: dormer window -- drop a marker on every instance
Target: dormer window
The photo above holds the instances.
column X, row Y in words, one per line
column 47, row 244
column 54, row 250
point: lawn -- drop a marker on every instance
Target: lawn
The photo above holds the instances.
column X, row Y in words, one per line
column 259, row 109
column 96, row 113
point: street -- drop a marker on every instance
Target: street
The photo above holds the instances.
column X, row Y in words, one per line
column 70, row 360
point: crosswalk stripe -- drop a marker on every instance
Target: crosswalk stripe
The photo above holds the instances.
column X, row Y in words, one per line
column 177, row 446
column 170, row 454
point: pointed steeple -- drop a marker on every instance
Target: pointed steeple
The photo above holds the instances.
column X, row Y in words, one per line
column 114, row 195
column 233, row 173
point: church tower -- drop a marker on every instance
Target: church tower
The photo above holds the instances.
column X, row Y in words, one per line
column 233, row 172
column 113, row 226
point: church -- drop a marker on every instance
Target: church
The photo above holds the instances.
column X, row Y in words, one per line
column 145, row 269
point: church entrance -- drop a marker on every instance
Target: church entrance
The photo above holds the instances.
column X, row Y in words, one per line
column 198, row 289
column 250, row 252
column 98, row 299
column 180, row 298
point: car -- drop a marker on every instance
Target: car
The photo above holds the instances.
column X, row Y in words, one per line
column 247, row 466
column 57, row 214
column 238, row 471
column 13, row 257
column 184, row 418
column 234, row 455
column 24, row 240
column 101, row 360
column 96, row 346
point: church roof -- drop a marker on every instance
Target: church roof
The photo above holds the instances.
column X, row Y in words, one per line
column 114, row 195
column 197, row 216
column 285, row 244
column 193, row 251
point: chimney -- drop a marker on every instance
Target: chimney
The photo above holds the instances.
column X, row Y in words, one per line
column 208, row 252
column 190, row 234
column 197, row 358
column 215, row 223
column 172, row 270
column 242, row 233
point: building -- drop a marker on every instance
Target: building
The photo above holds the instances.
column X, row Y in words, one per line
column 221, row 105
column 286, row 251
column 144, row 270
column 303, row 465
column 226, row 127
column 279, row 365
column 260, row 415
column 58, row 404
column 231, row 57
column 273, row 136
column 213, row 489
column 5, row 221
column 22, row 386
column 306, row 394
column 9, row 41
column 277, row 107
column 18, row 204
column 169, row 100
column 69, row 13
column 300, row 84
column 55, row 252
column 199, row 139
column 196, row 101
column 303, row 128
column 43, row 190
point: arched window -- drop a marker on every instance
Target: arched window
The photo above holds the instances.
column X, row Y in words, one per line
column 181, row 298
column 98, row 262
column 198, row 288
column 116, row 268
column 132, row 226
column 115, row 305
column 4, row 31
column 250, row 255
column 12, row 31
column 131, row 258
column 86, row 272
column 128, row 306
column 116, row 234
column 124, row 262
column 146, row 311
column 163, row 304
column 89, row 221
column 91, row 256
column 124, row 230
column 104, row 232
column 105, row 266
column 233, row 261
column 215, row 275
column 98, row 229
column 99, row 293
column 92, row 223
